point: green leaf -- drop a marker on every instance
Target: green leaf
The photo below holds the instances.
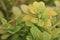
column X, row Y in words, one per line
column 44, row 15
column 40, row 23
column 24, row 8
column 15, row 29
column 54, row 20
column 28, row 23
column 55, row 32
column 16, row 11
column 5, row 36
column 46, row 36
column 42, row 7
column 34, row 20
column 57, row 3
column 29, row 37
column 36, row 33
column 4, row 22
column 15, row 37
column 18, row 20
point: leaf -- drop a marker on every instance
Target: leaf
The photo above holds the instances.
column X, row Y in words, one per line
column 51, row 11
column 46, row 36
column 48, row 23
column 15, row 29
column 40, row 23
column 36, row 33
column 19, row 20
column 55, row 32
column 44, row 15
column 24, row 8
column 16, row 11
column 27, row 18
column 37, row 7
column 5, row 36
column 54, row 20
column 34, row 20
column 4, row 22
column 24, row 31
column 29, row 37
column 31, row 9
column 28, row 23
column 15, row 37
column 57, row 3
column 41, row 7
